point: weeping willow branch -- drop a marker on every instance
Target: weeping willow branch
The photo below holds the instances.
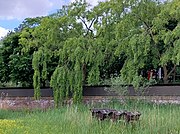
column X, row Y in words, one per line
column 36, row 76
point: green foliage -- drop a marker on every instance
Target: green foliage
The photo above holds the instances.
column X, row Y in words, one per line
column 166, row 25
column 15, row 65
column 148, row 37
column 78, row 54
column 36, row 76
column 83, row 45
column 60, row 90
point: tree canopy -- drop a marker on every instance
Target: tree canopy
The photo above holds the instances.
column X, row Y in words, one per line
column 149, row 34
column 84, row 45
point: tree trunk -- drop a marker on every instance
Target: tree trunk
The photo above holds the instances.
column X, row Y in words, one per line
column 165, row 78
column 44, row 83
column 174, row 75
column 166, row 74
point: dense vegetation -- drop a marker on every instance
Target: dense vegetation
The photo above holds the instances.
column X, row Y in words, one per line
column 155, row 119
column 81, row 44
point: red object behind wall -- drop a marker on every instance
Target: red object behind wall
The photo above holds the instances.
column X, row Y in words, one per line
column 150, row 74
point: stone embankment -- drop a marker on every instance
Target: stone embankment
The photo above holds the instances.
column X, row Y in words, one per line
column 28, row 103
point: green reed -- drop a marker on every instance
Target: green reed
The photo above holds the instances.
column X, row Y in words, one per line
column 76, row 119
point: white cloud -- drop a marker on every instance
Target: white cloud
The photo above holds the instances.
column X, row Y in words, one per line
column 20, row 9
column 3, row 32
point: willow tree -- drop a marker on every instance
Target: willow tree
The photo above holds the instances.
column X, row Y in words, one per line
column 80, row 56
column 106, row 15
column 78, row 39
column 46, row 39
column 144, row 38
column 30, row 45
column 61, row 38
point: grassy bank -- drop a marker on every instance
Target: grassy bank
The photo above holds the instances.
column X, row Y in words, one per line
column 155, row 119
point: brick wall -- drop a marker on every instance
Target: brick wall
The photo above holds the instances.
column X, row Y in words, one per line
column 22, row 98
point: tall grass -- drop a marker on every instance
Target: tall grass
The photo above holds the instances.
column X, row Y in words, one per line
column 155, row 119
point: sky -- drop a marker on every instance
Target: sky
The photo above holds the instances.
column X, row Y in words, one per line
column 13, row 12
